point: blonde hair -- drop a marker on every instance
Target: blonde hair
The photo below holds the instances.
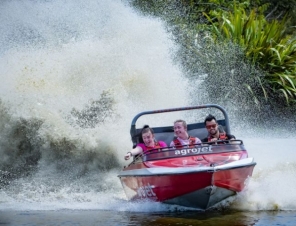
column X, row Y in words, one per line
column 183, row 122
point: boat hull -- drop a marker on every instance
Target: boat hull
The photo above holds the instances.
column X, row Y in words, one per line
column 197, row 187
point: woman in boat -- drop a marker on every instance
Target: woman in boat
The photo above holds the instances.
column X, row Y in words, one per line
column 149, row 143
column 182, row 137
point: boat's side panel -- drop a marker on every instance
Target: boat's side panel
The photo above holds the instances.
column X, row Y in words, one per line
column 233, row 179
column 163, row 187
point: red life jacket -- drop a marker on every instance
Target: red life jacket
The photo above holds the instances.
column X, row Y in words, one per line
column 222, row 136
column 191, row 142
column 156, row 146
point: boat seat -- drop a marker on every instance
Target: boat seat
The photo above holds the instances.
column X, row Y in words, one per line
column 166, row 134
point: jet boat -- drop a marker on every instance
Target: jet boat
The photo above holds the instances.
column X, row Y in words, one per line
column 199, row 176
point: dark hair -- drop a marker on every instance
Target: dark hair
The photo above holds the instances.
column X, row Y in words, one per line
column 145, row 129
column 209, row 118
column 221, row 129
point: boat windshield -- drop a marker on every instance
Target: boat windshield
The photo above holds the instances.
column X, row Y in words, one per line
column 200, row 149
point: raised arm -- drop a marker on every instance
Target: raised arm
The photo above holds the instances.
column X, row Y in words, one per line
column 137, row 150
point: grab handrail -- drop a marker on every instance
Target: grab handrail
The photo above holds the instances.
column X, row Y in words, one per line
column 133, row 124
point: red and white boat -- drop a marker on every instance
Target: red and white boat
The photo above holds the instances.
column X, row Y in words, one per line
column 198, row 177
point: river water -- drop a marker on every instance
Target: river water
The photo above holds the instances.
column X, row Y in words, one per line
column 73, row 74
column 93, row 217
column 268, row 199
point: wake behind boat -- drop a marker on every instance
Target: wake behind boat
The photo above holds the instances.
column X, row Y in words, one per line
column 198, row 176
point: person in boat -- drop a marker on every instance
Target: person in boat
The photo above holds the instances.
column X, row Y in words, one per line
column 215, row 132
column 147, row 143
column 182, row 137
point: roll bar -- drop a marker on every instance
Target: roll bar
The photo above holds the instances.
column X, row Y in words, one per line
column 133, row 124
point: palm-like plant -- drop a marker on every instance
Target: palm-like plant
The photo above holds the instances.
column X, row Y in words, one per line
column 264, row 43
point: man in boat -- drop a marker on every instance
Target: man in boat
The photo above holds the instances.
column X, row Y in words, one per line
column 182, row 137
column 215, row 131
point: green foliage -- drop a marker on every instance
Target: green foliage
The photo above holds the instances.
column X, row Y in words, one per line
column 265, row 44
column 278, row 9
column 255, row 90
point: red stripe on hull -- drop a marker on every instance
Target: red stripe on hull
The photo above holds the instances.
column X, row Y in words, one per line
column 163, row 187
column 233, row 179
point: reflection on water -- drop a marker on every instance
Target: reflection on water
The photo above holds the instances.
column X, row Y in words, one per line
column 99, row 217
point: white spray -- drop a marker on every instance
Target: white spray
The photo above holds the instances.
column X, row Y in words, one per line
column 59, row 57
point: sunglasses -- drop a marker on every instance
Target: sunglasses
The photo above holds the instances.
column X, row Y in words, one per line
column 211, row 126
